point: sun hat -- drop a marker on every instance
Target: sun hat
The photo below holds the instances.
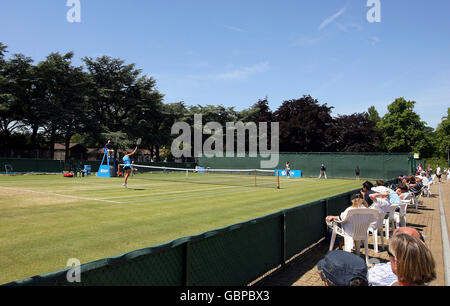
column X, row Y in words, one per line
column 340, row 267
column 356, row 196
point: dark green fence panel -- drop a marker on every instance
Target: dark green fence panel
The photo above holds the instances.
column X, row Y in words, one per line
column 154, row 266
column 32, row 165
column 394, row 163
column 236, row 255
column 305, row 225
column 160, row 268
column 338, row 203
column 58, row 166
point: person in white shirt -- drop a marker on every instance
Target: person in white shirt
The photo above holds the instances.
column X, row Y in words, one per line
column 357, row 202
column 380, row 203
column 438, row 172
column 424, row 180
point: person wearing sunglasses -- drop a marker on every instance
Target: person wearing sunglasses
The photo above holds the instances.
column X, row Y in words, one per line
column 381, row 274
column 411, row 261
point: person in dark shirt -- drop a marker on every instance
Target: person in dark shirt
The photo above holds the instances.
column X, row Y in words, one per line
column 323, row 171
column 366, row 191
column 415, row 185
column 109, row 149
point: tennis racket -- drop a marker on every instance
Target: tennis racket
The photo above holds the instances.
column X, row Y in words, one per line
column 138, row 142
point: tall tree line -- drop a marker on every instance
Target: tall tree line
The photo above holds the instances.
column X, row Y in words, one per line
column 107, row 98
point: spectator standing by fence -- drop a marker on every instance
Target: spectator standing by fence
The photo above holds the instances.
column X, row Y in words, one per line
column 429, row 170
column 438, row 173
column 323, row 171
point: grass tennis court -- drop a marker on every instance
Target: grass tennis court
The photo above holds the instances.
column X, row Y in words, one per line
column 47, row 219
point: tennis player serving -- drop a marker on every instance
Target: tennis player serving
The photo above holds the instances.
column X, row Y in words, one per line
column 127, row 166
column 288, row 169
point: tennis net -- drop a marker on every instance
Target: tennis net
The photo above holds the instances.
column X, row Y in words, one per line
column 229, row 177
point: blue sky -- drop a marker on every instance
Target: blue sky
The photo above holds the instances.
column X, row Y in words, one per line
column 236, row 52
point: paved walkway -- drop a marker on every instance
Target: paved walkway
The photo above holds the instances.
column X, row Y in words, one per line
column 302, row 270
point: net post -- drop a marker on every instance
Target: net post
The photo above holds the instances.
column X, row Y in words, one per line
column 278, row 179
column 187, row 172
column 255, row 176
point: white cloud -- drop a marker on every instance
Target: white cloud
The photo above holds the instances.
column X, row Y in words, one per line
column 235, row 29
column 329, row 20
column 238, row 74
column 305, row 41
column 374, row 40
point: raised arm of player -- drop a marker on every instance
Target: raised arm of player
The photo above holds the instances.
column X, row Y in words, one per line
column 132, row 153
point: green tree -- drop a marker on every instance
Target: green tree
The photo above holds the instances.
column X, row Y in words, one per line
column 29, row 95
column 113, row 95
column 258, row 112
column 3, row 51
column 372, row 114
column 147, row 116
column 442, row 136
column 404, row 131
column 66, row 89
column 123, row 101
column 212, row 113
column 14, row 84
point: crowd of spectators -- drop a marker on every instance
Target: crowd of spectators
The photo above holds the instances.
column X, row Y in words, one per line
column 410, row 261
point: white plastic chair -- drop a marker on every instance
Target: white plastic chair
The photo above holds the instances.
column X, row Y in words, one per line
column 410, row 199
column 360, row 219
column 400, row 217
column 415, row 201
column 376, row 229
column 389, row 223
column 428, row 189
column 396, row 219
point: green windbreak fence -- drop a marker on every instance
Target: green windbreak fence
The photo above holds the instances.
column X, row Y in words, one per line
column 18, row 165
column 338, row 165
column 231, row 256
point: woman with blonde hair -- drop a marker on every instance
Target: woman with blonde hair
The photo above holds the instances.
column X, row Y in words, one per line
column 411, row 261
column 357, row 202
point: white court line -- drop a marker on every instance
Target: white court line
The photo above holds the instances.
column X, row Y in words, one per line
column 189, row 196
column 287, row 185
column 445, row 240
column 60, row 195
column 171, row 192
